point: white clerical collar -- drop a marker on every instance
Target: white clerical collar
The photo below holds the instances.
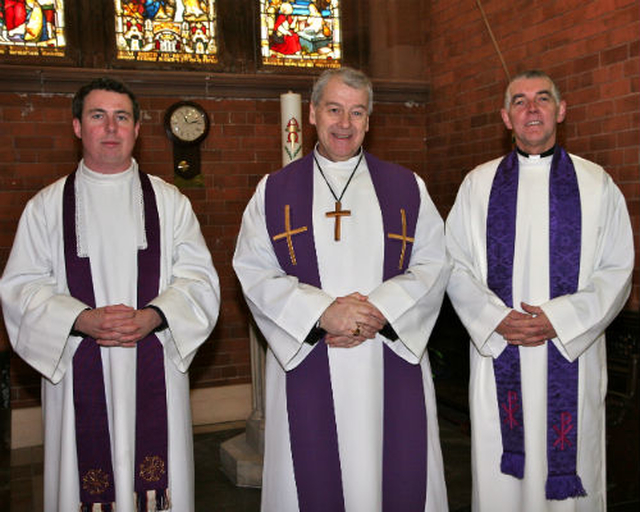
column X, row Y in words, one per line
column 101, row 176
column 342, row 164
column 544, row 154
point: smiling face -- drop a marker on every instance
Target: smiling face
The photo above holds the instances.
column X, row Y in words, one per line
column 533, row 114
column 341, row 119
column 108, row 131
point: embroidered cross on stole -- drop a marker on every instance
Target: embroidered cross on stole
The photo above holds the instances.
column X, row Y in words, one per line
column 288, row 233
column 403, row 237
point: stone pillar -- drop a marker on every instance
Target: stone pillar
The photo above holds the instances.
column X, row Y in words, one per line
column 241, row 456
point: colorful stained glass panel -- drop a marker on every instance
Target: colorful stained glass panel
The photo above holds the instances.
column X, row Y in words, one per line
column 300, row 33
column 32, row 27
column 180, row 31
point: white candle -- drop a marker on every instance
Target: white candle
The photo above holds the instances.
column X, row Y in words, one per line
column 291, row 124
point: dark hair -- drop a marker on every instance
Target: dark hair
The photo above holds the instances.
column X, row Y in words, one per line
column 103, row 84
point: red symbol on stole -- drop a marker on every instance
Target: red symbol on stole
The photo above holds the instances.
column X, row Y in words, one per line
column 511, row 407
column 565, row 427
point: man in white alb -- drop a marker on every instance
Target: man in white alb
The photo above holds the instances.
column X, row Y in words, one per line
column 108, row 293
column 543, row 253
column 342, row 261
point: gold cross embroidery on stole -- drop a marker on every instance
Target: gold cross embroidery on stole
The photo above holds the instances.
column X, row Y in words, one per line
column 288, row 233
column 402, row 237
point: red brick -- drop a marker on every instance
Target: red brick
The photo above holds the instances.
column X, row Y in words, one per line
column 591, row 50
column 230, row 130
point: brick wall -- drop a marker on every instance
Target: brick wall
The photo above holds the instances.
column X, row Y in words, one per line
column 590, row 48
column 37, row 146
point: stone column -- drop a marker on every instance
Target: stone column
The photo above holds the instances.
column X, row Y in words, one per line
column 241, row 456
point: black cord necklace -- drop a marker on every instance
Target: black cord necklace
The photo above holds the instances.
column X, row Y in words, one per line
column 338, row 213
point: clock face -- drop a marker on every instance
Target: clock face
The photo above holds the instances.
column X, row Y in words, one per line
column 188, row 123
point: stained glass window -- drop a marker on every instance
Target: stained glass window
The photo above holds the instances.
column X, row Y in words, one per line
column 32, row 27
column 302, row 33
column 166, row 30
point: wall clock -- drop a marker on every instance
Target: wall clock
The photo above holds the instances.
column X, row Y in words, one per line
column 187, row 125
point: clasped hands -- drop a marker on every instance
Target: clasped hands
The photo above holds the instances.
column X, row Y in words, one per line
column 529, row 329
column 350, row 320
column 117, row 325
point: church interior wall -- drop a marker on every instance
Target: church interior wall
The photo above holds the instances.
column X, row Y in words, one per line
column 37, row 146
column 590, row 48
column 445, row 52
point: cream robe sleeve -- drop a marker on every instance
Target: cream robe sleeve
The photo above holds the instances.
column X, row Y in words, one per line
column 411, row 301
column 39, row 313
column 190, row 292
column 606, row 265
column 479, row 309
column 284, row 309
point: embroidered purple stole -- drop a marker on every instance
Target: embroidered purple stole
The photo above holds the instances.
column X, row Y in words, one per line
column 92, row 427
column 312, row 425
column 564, row 266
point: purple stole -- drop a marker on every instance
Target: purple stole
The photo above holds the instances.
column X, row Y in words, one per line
column 564, row 267
column 312, row 426
column 95, row 468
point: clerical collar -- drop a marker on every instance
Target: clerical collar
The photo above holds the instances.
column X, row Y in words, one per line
column 107, row 177
column 548, row 152
column 337, row 164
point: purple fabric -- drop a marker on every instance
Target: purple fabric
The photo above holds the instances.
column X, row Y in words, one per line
column 565, row 218
column 404, row 454
column 501, row 233
column 564, row 265
column 95, row 468
column 397, row 190
column 404, row 457
column 314, row 440
column 282, row 189
column 310, row 407
column 93, row 442
column 151, row 461
column 312, row 424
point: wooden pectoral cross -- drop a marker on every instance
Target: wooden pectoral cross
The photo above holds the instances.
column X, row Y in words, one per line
column 288, row 233
column 337, row 215
column 402, row 237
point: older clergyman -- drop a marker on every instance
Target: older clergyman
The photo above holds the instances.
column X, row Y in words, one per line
column 543, row 254
column 342, row 261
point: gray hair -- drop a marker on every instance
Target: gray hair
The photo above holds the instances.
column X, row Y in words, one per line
column 532, row 73
column 349, row 76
